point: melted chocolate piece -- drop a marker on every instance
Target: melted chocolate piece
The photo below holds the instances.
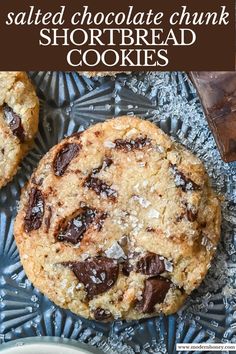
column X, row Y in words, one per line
column 63, row 158
column 98, row 274
column 182, row 181
column 107, row 162
column 48, row 218
column 217, row 91
column 191, row 216
column 126, row 268
column 101, row 314
column 14, row 122
column 100, row 187
column 75, row 229
column 150, row 264
column 189, row 213
column 129, row 264
column 155, row 291
column 150, row 229
column 34, row 214
column 133, row 144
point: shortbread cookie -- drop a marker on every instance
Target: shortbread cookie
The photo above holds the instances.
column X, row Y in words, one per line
column 18, row 121
column 118, row 222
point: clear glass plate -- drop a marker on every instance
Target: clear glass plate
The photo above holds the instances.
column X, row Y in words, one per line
column 68, row 103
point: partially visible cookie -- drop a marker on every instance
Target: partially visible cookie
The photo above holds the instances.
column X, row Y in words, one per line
column 118, row 222
column 19, row 107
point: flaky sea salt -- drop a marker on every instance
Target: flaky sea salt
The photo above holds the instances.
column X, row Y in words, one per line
column 34, row 298
column 85, row 256
column 115, row 252
column 131, row 132
column 63, row 283
column 142, row 201
column 168, row 265
column 145, row 183
column 95, row 280
column 77, row 223
column 79, row 286
column 25, row 256
column 38, row 208
column 153, row 214
column 71, row 289
column 109, row 144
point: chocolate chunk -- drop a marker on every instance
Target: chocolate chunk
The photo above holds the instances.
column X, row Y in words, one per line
column 48, row 218
column 37, row 182
column 191, row 216
column 97, row 133
column 34, row 215
column 98, row 274
column 128, row 264
column 150, row 264
column 107, row 162
column 97, row 185
column 217, row 91
column 101, row 314
column 182, row 181
column 63, row 158
column 133, row 144
column 189, row 212
column 155, row 291
column 95, row 171
column 100, row 187
column 14, row 122
column 99, row 221
column 75, row 229
column 126, row 268
column 150, row 229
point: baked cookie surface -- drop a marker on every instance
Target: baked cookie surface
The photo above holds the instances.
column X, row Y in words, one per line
column 118, row 222
column 19, row 108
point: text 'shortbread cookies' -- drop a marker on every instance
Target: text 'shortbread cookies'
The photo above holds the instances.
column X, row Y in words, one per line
column 19, row 108
column 118, row 222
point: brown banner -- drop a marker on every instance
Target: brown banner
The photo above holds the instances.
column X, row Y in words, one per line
column 100, row 35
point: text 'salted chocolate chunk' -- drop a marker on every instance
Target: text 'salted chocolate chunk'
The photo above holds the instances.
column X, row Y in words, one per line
column 217, row 91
